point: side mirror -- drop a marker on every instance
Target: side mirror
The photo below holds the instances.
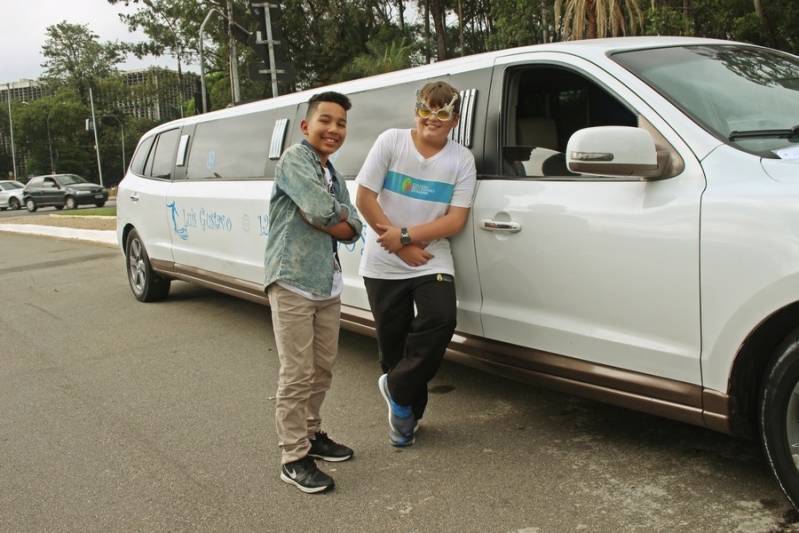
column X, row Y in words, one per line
column 616, row 151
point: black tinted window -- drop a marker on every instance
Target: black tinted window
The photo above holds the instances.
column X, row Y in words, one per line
column 234, row 147
column 140, row 157
column 163, row 157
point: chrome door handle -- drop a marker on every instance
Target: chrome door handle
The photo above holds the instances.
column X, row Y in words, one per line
column 134, row 197
column 496, row 225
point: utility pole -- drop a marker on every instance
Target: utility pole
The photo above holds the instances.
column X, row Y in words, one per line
column 11, row 131
column 273, row 71
column 96, row 143
column 234, row 64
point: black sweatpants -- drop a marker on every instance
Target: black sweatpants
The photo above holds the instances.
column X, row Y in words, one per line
column 412, row 345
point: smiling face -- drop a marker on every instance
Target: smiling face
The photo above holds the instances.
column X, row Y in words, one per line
column 432, row 130
column 326, row 128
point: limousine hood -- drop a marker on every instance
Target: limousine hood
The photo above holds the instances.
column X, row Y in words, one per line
column 781, row 169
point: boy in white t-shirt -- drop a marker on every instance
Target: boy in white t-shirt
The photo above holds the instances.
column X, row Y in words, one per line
column 414, row 190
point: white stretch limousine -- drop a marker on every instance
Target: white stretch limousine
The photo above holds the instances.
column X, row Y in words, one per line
column 635, row 231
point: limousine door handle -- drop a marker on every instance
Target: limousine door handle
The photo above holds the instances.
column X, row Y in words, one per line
column 490, row 224
column 134, row 197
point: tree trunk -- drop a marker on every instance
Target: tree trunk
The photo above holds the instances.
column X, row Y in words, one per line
column 591, row 26
column 439, row 21
column 427, row 30
column 460, row 27
column 401, row 8
column 765, row 20
column 686, row 16
column 544, row 27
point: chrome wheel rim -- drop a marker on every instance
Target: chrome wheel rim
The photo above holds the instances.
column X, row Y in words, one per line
column 30, row 205
column 137, row 269
column 792, row 425
column 70, row 203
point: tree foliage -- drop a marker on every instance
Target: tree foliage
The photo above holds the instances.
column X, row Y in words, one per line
column 74, row 56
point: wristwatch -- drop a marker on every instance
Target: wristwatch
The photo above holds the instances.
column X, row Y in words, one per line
column 405, row 237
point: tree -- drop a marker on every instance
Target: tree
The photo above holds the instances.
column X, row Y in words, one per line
column 172, row 26
column 75, row 57
column 589, row 19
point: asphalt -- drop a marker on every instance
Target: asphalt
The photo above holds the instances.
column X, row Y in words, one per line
column 122, row 416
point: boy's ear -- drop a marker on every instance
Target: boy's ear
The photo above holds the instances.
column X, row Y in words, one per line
column 304, row 127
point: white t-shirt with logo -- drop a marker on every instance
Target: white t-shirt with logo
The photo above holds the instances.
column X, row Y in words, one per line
column 413, row 190
column 338, row 282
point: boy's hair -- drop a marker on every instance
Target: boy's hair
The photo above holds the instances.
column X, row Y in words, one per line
column 438, row 94
column 328, row 96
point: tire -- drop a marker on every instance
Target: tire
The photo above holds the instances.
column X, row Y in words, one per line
column 146, row 284
column 100, row 204
column 59, row 207
column 70, row 203
column 779, row 416
column 30, row 205
column 13, row 204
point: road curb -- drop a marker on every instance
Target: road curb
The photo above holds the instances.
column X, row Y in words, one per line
column 107, row 237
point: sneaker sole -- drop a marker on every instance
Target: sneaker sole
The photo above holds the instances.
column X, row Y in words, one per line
column 382, row 386
column 331, row 459
column 402, row 444
column 306, row 490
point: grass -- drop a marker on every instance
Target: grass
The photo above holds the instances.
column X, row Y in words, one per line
column 94, row 212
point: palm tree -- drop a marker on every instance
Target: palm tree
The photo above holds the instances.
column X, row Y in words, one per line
column 589, row 19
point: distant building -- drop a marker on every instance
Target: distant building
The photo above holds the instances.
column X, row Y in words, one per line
column 154, row 93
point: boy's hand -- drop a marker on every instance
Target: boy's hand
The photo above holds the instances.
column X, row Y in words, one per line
column 414, row 255
column 390, row 238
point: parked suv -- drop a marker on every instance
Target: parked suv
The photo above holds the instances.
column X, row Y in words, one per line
column 62, row 191
column 11, row 194
column 634, row 235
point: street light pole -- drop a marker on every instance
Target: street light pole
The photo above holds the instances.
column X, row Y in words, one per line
column 49, row 140
column 202, row 61
column 11, row 131
column 96, row 142
column 234, row 62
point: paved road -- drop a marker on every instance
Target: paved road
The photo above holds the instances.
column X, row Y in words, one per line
column 121, row 416
column 23, row 212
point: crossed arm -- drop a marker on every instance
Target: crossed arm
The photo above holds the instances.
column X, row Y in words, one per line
column 413, row 254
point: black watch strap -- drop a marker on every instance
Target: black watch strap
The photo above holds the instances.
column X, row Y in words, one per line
column 405, row 237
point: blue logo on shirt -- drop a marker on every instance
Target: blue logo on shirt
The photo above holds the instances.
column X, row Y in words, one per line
column 431, row 191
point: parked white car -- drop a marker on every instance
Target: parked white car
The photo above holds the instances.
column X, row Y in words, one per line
column 11, row 194
column 634, row 236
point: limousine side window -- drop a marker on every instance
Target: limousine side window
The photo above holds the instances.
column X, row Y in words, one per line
column 162, row 157
column 140, row 157
column 230, row 148
column 543, row 107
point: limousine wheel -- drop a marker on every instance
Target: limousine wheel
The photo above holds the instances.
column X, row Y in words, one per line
column 30, row 205
column 779, row 416
column 146, row 284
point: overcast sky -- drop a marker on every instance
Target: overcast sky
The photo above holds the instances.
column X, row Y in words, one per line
column 22, row 33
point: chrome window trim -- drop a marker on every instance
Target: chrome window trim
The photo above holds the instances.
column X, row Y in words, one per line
column 462, row 133
column 278, row 137
column 184, row 142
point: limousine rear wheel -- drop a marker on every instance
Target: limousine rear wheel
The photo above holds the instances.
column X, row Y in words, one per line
column 779, row 416
column 146, row 284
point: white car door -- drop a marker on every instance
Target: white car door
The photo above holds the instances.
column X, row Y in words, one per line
column 600, row 269
column 142, row 195
column 219, row 209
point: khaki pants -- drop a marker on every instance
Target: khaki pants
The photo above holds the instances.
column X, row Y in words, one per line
column 306, row 334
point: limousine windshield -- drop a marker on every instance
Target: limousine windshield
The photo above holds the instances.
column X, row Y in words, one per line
column 747, row 96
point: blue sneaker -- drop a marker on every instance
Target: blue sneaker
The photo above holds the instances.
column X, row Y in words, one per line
column 400, row 417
